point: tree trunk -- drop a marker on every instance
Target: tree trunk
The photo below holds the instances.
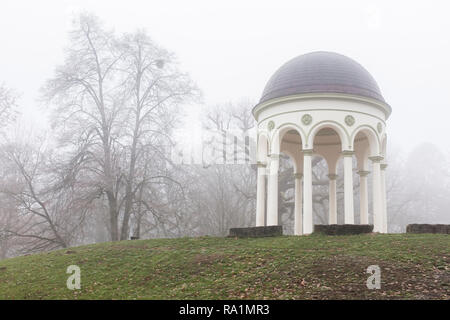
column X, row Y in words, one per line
column 129, row 196
column 113, row 216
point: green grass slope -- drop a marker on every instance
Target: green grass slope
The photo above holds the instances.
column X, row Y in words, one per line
column 310, row 267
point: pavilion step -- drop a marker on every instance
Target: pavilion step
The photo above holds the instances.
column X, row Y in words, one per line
column 256, row 232
column 428, row 228
column 343, row 229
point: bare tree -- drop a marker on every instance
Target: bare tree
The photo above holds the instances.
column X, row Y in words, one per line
column 156, row 87
column 48, row 214
column 8, row 217
column 88, row 105
column 417, row 191
column 8, row 105
column 223, row 194
column 115, row 98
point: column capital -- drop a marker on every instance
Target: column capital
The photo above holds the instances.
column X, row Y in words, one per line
column 261, row 164
column 274, row 156
column 347, row 153
column 298, row 175
column 307, row 152
column 383, row 166
column 363, row 173
column 332, row 176
column 376, row 159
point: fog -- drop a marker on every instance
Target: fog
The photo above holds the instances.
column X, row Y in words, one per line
column 229, row 50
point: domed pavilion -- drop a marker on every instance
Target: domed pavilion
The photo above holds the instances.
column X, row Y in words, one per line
column 325, row 104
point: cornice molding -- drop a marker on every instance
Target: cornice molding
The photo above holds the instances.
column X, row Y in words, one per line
column 376, row 103
column 260, row 121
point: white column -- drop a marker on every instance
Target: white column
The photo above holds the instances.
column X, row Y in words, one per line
column 332, row 211
column 377, row 200
column 349, row 216
column 261, row 195
column 363, row 197
column 307, row 193
column 298, row 220
column 383, row 167
column 272, row 191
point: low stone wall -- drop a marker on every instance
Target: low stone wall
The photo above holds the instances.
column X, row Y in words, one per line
column 343, row 229
column 255, row 232
column 428, row 228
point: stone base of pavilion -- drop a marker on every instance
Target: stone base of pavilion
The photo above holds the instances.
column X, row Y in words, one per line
column 428, row 228
column 256, row 232
column 343, row 229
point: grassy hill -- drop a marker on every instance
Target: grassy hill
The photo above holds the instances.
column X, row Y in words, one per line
column 310, row 267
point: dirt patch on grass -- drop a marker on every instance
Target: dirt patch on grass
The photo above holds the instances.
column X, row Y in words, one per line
column 346, row 278
column 208, row 259
column 122, row 247
column 129, row 246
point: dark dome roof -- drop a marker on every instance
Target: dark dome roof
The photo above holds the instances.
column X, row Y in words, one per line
column 321, row 72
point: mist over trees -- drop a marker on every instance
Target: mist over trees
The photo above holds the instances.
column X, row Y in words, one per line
column 104, row 171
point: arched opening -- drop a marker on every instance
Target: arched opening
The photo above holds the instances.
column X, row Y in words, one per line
column 286, row 192
column 290, row 169
column 366, row 144
column 331, row 132
column 284, row 179
column 326, row 181
column 366, row 137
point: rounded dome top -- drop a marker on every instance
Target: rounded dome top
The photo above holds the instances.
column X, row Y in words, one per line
column 321, row 72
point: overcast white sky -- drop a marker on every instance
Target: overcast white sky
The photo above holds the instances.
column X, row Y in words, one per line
column 231, row 48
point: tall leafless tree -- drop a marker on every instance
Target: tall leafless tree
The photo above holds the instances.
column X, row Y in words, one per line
column 156, row 88
column 114, row 97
